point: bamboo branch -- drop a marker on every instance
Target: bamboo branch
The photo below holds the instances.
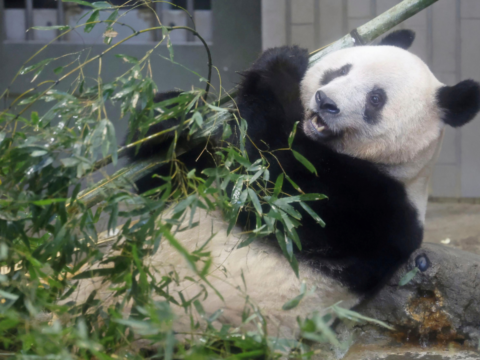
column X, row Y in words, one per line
column 131, row 173
column 376, row 27
column 364, row 34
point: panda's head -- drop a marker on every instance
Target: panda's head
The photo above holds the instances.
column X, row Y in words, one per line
column 382, row 103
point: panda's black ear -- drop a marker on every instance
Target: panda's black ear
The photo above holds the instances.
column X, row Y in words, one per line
column 400, row 38
column 460, row 103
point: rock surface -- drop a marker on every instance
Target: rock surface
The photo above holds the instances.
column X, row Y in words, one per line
column 409, row 353
column 439, row 304
column 437, row 314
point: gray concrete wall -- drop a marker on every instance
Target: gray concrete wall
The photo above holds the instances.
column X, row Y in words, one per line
column 235, row 44
column 2, row 34
column 448, row 40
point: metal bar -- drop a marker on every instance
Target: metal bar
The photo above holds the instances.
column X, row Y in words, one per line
column 373, row 8
column 458, row 75
column 429, row 13
column 159, row 9
column 316, row 23
column 3, row 35
column 458, row 40
column 345, row 16
column 191, row 11
column 29, row 19
column 288, row 22
column 60, row 16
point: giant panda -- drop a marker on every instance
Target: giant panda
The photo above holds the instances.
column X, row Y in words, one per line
column 371, row 122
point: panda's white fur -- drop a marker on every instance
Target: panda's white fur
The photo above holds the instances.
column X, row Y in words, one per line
column 408, row 137
column 404, row 144
column 259, row 271
column 411, row 119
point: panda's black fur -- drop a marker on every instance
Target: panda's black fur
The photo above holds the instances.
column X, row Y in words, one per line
column 371, row 226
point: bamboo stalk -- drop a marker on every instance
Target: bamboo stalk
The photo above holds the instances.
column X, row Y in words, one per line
column 376, row 27
column 365, row 34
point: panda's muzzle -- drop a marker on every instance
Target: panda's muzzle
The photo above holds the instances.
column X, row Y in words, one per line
column 325, row 104
column 320, row 127
column 325, row 108
column 320, row 115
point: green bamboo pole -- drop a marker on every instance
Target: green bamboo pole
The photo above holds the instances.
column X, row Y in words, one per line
column 375, row 27
column 363, row 34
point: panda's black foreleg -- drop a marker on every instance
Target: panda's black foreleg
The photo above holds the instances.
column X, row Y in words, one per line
column 371, row 226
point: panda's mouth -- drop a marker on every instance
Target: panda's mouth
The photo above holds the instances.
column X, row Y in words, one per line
column 318, row 123
column 320, row 126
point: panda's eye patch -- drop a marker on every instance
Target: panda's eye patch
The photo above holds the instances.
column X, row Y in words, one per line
column 330, row 75
column 376, row 98
column 374, row 103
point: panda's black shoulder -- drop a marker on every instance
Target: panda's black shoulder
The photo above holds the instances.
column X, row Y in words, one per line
column 269, row 94
column 291, row 59
column 276, row 70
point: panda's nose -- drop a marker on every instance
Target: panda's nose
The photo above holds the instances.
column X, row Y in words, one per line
column 325, row 103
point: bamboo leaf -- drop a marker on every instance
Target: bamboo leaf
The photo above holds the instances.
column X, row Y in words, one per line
column 101, row 5
column 408, row 276
column 79, row 2
column 37, row 153
column 352, row 315
column 291, row 260
column 247, row 241
column 175, row 244
column 58, row 70
column 40, row 65
column 112, row 222
column 68, row 162
column 8, row 295
column 113, row 16
column 256, row 176
column 325, row 329
column 88, row 274
column 112, row 140
column 292, row 134
column 304, row 162
column 256, row 203
column 91, row 22
column 313, row 214
column 127, row 58
column 278, row 185
column 294, row 184
column 48, row 201
column 296, row 300
column 197, row 117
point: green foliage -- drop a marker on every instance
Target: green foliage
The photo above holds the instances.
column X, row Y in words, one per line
column 49, row 226
column 408, row 276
